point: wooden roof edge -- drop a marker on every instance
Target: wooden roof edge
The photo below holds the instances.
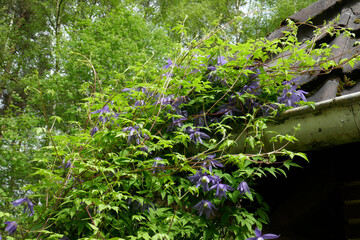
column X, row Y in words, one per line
column 315, row 10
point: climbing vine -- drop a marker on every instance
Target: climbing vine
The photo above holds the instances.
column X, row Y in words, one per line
column 159, row 158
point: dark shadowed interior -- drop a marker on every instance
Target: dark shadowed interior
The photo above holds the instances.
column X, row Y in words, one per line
column 319, row 201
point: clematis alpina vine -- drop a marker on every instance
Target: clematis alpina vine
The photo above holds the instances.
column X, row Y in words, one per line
column 221, row 60
column 94, row 130
column 169, row 64
column 67, row 164
column 221, row 190
column 228, row 109
column 260, row 236
column 244, row 187
column 104, row 110
column 210, row 162
column 11, row 227
column 29, row 205
column 195, row 178
column 205, row 206
column 134, row 135
column 204, row 180
column 197, row 136
column 290, row 95
column 157, row 167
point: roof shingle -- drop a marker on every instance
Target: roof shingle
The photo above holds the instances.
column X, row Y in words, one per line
column 324, row 14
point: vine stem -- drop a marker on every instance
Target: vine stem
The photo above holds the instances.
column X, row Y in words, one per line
column 177, row 206
column 92, row 220
column 57, row 154
column 47, row 120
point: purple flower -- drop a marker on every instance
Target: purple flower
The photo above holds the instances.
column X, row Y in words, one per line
column 204, row 182
column 104, row 109
column 221, row 189
column 195, row 178
column 67, row 164
column 167, row 66
column 259, row 236
column 209, row 162
column 200, row 119
column 157, row 166
column 205, row 206
column 175, row 104
column 175, row 107
column 244, row 187
column 290, row 96
column 205, row 179
column 179, row 121
column 144, row 149
column 126, row 90
column 139, row 103
column 141, row 89
column 211, row 68
column 134, row 134
column 197, row 136
column 221, row 61
column 29, row 207
column 211, row 76
column 228, row 109
column 215, row 179
column 178, row 101
column 170, row 63
column 256, row 74
column 165, row 100
column 253, row 88
column 138, row 89
column 11, row 227
column 103, row 119
column 94, row 130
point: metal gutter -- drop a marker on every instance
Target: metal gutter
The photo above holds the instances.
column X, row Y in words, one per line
column 333, row 122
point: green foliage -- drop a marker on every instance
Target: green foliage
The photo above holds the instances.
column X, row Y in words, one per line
column 123, row 137
column 31, row 34
column 113, row 44
column 18, row 143
column 251, row 19
column 45, row 74
column 99, row 55
column 137, row 166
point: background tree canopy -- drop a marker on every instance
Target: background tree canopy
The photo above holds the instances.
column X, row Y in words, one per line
column 57, row 55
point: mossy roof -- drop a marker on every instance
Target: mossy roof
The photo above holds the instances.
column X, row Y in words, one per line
column 345, row 79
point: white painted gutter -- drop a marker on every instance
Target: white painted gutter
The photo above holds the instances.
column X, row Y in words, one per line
column 333, row 122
